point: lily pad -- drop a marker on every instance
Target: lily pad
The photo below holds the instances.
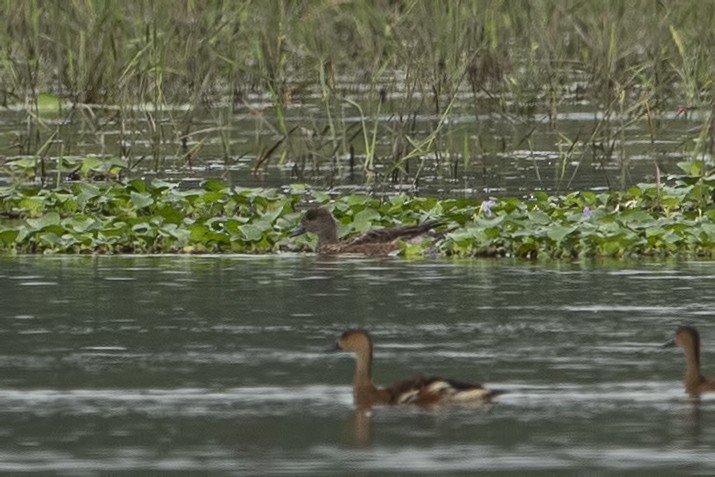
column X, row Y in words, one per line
column 50, row 218
column 141, row 199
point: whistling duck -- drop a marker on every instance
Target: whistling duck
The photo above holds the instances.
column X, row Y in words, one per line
column 373, row 242
column 688, row 338
column 420, row 391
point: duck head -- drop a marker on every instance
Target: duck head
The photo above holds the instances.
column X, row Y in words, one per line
column 355, row 341
column 318, row 221
column 686, row 337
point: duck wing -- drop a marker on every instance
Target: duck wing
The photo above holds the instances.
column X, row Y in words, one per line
column 707, row 386
column 407, row 391
column 391, row 234
column 426, row 391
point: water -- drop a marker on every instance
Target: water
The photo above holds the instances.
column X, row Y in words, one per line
column 506, row 155
column 217, row 365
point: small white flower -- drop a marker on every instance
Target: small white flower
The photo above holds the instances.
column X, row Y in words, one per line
column 486, row 207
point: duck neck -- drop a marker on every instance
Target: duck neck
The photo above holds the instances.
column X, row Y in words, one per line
column 327, row 237
column 692, row 368
column 363, row 388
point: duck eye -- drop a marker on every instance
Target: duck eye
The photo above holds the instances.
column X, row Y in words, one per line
column 312, row 214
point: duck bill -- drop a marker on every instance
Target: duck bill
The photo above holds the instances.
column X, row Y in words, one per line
column 668, row 344
column 335, row 348
column 299, row 230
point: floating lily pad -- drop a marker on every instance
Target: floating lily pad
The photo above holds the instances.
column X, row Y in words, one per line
column 48, row 103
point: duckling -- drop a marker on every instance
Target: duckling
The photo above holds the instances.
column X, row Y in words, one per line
column 373, row 242
column 688, row 338
column 419, row 391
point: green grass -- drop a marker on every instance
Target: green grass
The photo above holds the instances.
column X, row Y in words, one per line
column 125, row 65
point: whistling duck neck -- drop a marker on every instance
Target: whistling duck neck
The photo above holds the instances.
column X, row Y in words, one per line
column 363, row 369
column 692, row 369
column 365, row 393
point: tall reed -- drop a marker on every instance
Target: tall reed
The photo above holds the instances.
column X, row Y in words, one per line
column 152, row 69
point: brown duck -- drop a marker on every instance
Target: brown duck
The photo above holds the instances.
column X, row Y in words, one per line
column 373, row 242
column 419, row 391
column 688, row 338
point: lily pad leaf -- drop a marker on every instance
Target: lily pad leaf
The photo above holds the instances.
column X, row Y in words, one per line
column 197, row 232
column 213, row 185
column 8, row 236
column 91, row 163
column 363, row 219
column 81, row 224
column 141, row 199
column 87, row 193
column 559, row 232
column 252, row 233
column 48, row 103
column 32, row 204
column 171, row 215
column 51, row 218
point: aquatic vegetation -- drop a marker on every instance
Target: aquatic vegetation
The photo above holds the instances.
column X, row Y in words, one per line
column 136, row 217
column 674, row 219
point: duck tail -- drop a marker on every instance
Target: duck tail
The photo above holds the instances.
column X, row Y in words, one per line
column 496, row 392
column 408, row 231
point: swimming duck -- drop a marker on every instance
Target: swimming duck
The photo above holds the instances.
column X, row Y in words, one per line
column 373, row 242
column 419, row 391
column 688, row 338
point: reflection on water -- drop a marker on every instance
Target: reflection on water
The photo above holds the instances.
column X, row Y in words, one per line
column 360, row 429
column 217, row 364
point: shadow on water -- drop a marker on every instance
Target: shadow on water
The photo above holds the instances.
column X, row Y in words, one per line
column 216, row 364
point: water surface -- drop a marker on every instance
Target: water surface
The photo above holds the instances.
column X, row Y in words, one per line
column 217, row 364
column 477, row 154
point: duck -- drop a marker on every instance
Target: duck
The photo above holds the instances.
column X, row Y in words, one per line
column 688, row 338
column 418, row 391
column 320, row 221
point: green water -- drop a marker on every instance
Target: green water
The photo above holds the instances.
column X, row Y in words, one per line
column 217, row 365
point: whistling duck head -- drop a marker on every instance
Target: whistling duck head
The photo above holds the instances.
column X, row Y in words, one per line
column 354, row 341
